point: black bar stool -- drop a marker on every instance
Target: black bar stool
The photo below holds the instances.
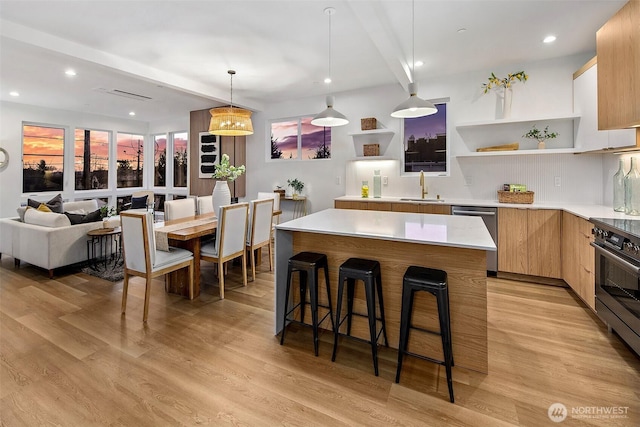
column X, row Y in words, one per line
column 434, row 282
column 307, row 264
column 369, row 272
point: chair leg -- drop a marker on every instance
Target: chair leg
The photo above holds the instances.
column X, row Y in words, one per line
column 270, row 257
column 378, row 281
column 244, row 267
column 286, row 305
column 125, row 289
column 253, row 263
column 147, row 294
column 313, row 296
column 371, row 314
column 221, row 278
column 405, row 323
column 191, row 269
column 336, row 326
column 351, row 288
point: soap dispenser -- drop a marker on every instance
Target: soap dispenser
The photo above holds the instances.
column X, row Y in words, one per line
column 377, row 184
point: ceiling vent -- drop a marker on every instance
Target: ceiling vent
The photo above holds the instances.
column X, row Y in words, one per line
column 124, row 94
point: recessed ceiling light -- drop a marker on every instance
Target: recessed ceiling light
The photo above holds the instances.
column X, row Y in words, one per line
column 327, row 80
column 549, row 39
column 419, row 63
column 132, row 113
column 14, row 93
column 70, row 72
column 461, row 30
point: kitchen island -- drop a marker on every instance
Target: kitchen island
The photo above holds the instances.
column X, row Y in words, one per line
column 455, row 244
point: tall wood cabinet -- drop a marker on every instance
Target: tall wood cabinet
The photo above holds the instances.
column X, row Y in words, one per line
column 618, row 50
column 578, row 257
column 529, row 242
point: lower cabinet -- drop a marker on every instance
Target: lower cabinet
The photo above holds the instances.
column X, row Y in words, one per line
column 529, row 242
column 578, row 257
column 427, row 208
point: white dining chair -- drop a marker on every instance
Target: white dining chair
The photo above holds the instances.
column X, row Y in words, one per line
column 205, row 204
column 179, row 208
column 276, row 203
column 142, row 259
column 259, row 230
column 231, row 237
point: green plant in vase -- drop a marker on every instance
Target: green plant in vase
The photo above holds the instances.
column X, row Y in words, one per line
column 540, row 136
column 297, row 187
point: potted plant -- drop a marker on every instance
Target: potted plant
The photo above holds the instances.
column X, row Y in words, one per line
column 540, row 136
column 297, row 187
column 505, row 83
column 224, row 173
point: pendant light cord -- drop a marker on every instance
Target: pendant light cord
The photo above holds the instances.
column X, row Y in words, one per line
column 330, row 74
column 413, row 40
column 231, row 73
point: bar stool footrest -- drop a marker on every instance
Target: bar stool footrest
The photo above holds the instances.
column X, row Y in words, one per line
column 429, row 359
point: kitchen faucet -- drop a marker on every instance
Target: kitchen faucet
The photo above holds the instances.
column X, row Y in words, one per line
column 425, row 190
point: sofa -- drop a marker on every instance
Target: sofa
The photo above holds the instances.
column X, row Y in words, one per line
column 48, row 239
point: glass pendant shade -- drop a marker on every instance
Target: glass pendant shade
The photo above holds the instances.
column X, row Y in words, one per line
column 329, row 117
column 414, row 106
column 229, row 121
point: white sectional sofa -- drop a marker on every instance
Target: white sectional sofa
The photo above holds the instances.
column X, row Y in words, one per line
column 49, row 241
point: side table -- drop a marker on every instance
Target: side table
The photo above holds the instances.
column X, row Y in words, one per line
column 104, row 239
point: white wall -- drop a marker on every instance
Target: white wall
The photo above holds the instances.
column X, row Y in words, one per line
column 548, row 92
column 12, row 115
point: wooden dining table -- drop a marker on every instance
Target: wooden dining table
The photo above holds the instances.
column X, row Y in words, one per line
column 188, row 238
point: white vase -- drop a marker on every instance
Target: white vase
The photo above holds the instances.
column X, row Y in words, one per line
column 506, row 103
column 221, row 195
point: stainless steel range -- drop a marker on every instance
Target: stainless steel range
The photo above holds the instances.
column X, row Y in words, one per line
column 617, row 247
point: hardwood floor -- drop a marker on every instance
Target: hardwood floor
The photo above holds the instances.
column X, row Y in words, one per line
column 68, row 358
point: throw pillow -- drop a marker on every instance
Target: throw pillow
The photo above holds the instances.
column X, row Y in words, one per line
column 83, row 219
column 45, row 219
column 139, row 202
column 21, row 210
column 54, row 204
column 44, row 208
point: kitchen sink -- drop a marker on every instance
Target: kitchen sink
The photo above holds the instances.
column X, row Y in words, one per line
column 422, row 200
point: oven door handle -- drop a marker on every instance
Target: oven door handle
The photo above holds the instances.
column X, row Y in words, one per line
column 616, row 259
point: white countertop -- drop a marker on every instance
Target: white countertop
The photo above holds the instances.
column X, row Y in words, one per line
column 443, row 230
column 584, row 211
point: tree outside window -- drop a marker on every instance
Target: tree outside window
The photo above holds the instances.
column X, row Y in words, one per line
column 299, row 139
column 42, row 158
column 91, row 159
column 180, row 161
column 130, row 160
column 160, row 160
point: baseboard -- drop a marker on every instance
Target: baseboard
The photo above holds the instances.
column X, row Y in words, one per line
column 532, row 279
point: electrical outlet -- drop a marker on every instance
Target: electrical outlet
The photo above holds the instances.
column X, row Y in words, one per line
column 556, row 181
column 385, row 180
column 338, row 180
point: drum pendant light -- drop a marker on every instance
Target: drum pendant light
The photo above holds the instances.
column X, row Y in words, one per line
column 414, row 106
column 329, row 117
column 230, row 121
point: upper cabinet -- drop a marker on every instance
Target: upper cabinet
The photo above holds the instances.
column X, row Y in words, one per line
column 618, row 50
column 585, row 103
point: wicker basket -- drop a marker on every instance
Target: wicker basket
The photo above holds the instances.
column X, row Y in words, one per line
column 371, row 149
column 368, row 123
column 523, row 197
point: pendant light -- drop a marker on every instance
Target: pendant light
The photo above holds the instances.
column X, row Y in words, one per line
column 329, row 117
column 414, row 106
column 230, row 121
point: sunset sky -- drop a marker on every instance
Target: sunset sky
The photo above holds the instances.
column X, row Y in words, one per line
column 286, row 135
column 43, row 143
column 433, row 124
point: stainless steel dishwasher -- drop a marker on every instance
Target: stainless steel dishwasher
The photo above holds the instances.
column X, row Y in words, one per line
column 490, row 218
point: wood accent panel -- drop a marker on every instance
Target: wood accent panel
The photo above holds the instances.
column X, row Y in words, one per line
column 590, row 63
column 406, row 207
column 438, row 209
column 512, row 241
column 426, row 208
column 379, row 206
column 578, row 257
column 544, row 227
column 466, row 270
column 618, row 49
column 235, row 147
column 351, row 204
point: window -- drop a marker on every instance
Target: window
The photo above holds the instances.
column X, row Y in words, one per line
column 130, row 159
column 160, row 160
column 91, row 159
column 42, row 158
column 299, row 139
column 180, row 167
column 425, row 146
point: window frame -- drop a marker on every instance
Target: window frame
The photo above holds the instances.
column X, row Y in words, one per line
column 109, row 165
column 66, row 133
column 299, row 155
column 447, row 172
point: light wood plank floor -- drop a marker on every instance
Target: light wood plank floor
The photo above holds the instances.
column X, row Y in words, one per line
column 68, row 358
